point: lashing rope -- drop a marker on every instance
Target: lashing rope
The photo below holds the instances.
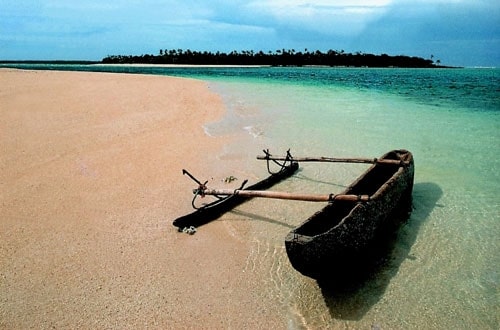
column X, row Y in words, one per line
column 200, row 192
column 282, row 165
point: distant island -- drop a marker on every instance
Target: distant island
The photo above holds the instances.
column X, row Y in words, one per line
column 331, row 58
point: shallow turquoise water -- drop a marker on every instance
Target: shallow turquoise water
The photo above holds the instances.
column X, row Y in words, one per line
column 442, row 270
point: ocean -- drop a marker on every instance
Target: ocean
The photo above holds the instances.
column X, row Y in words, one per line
column 441, row 271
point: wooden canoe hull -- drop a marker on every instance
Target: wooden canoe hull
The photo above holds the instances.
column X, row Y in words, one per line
column 343, row 230
column 214, row 210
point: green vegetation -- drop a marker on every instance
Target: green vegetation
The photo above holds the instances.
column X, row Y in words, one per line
column 278, row 58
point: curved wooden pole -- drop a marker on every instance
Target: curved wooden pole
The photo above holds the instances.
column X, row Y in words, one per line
column 283, row 195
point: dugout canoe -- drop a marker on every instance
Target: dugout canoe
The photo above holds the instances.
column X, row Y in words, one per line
column 214, row 210
column 343, row 229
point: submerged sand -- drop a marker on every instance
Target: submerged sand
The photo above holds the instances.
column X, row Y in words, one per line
column 90, row 181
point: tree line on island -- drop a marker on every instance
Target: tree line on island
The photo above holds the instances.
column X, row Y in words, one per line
column 278, row 58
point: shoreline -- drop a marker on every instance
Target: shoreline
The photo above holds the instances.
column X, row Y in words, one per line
column 90, row 183
column 149, row 65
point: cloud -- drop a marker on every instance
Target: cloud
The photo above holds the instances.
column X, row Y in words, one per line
column 345, row 18
column 457, row 32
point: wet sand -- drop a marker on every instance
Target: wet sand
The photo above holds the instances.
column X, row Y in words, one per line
column 90, row 181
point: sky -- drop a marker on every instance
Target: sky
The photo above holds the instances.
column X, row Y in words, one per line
column 456, row 32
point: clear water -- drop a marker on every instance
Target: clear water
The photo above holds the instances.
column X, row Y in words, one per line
column 442, row 270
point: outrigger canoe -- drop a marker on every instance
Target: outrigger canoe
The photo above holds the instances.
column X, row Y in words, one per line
column 341, row 231
column 344, row 228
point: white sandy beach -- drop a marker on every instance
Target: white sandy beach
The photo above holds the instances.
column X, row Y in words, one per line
column 90, row 181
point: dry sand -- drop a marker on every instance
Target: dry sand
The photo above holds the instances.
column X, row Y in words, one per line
column 90, row 181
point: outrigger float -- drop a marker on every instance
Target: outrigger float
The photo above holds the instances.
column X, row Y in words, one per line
column 345, row 227
column 227, row 202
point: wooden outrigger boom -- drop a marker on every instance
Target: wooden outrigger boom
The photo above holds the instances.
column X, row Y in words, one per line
column 336, row 160
column 284, row 195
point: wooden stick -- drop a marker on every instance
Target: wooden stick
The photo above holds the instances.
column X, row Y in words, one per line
column 284, row 195
column 335, row 160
